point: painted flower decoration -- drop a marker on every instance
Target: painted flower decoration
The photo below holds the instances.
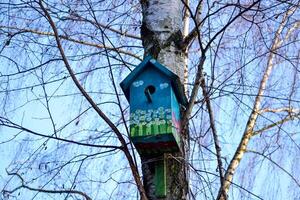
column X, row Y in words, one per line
column 138, row 83
column 163, row 85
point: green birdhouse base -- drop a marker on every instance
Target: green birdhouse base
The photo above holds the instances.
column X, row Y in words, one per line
column 160, row 178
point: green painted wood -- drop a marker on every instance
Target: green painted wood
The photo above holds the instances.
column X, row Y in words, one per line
column 160, row 179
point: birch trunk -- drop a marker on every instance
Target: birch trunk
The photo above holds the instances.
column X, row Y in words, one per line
column 161, row 33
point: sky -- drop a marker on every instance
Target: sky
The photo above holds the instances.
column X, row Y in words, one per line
column 239, row 64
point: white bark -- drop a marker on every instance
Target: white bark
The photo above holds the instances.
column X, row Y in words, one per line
column 164, row 18
column 186, row 26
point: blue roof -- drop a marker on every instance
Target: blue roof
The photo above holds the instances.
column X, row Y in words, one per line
column 151, row 62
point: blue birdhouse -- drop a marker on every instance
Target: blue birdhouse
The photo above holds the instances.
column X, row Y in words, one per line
column 155, row 95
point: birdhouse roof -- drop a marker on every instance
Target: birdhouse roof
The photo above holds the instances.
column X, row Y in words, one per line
column 151, row 62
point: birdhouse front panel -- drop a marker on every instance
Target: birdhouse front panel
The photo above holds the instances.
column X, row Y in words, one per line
column 153, row 122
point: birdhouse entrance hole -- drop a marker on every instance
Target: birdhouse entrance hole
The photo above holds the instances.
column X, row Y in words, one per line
column 148, row 91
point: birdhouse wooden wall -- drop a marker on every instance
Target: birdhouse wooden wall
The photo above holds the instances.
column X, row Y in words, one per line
column 153, row 124
column 154, row 108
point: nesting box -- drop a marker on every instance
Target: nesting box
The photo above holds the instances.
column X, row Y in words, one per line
column 155, row 95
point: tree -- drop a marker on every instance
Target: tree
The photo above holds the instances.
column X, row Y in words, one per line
column 64, row 120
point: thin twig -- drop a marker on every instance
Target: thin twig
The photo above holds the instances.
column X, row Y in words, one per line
column 95, row 107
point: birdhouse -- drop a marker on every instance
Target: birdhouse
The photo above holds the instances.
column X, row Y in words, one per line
column 155, row 95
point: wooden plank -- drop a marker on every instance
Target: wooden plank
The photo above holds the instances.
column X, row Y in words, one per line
column 160, row 179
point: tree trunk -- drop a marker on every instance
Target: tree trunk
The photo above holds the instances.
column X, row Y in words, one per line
column 161, row 33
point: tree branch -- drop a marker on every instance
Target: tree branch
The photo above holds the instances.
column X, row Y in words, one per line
column 97, row 24
column 68, row 38
column 215, row 136
column 7, row 123
column 277, row 165
column 286, row 119
column 235, row 161
column 277, row 110
column 43, row 190
column 95, row 107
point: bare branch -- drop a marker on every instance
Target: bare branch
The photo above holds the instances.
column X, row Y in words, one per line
column 277, row 165
column 277, row 110
column 276, row 124
column 23, row 185
column 7, row 123
column 97, row 24
column 95, row 107
column 68, row 38
column 234, row 163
